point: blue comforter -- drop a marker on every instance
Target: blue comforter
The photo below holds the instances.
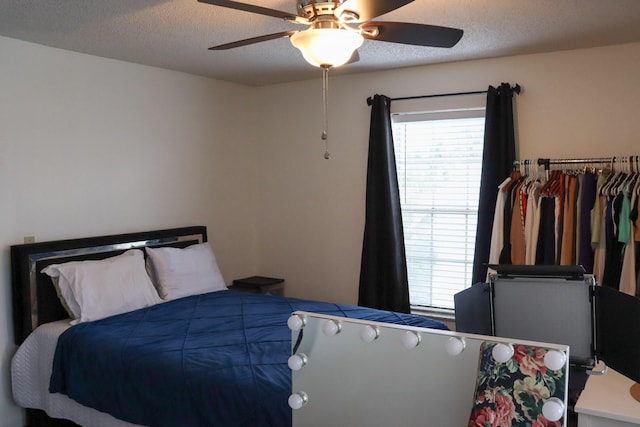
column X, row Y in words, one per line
column 218, row 359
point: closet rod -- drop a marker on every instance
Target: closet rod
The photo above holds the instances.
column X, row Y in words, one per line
column 547, row 162
column 517, row 89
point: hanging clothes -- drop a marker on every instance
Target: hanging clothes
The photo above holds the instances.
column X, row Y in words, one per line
column 497, row 232
column 511, row 198
column 532, row 221
column 586, row 205
column 581, row 216
column 517, row 225
column 614, row 249
column 568, row 249
column 546, row 247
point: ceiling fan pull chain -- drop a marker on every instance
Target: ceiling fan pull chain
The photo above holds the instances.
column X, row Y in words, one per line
column 325, row 108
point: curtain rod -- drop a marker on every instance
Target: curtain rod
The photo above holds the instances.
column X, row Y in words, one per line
column 517, row 89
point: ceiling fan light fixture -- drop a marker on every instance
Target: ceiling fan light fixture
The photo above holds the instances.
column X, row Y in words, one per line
column 327, row 47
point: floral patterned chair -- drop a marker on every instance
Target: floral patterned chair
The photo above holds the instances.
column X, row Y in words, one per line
column 511, row 394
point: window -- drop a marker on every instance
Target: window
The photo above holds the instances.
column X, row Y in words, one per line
column 439, row 158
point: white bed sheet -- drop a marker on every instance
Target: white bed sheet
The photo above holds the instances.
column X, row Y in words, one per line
column 30, row 374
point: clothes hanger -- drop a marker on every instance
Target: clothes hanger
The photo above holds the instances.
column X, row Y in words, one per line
column 515, row 176
column 550, row 188
column 611, row 180
column 627, row 176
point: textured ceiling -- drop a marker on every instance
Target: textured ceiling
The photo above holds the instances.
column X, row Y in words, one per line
column 175, row 34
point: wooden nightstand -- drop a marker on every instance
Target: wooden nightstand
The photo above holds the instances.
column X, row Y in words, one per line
column 260, row 285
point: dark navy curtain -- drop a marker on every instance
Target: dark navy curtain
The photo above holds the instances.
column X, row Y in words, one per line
column 383, row 269
column 497, row 162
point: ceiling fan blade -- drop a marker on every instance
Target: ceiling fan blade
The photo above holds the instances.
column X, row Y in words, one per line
column 415, row 34
column 253, row 40
column 369, row 9
column 251, row 8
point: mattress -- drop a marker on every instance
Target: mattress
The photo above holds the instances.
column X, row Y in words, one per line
column 30, row 374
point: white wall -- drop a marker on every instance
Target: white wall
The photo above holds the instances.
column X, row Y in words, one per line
column 581, row 103
column 90, row 146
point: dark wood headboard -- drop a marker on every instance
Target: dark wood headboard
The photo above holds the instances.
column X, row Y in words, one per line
column 34, row 297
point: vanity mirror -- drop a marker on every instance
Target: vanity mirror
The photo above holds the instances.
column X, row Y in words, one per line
column 350, row 372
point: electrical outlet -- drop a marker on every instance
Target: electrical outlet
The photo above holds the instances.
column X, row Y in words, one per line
column 29, row 239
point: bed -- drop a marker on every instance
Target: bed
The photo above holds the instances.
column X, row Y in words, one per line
column 208, row 358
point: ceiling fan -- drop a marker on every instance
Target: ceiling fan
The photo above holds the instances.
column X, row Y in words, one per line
column 335, row 29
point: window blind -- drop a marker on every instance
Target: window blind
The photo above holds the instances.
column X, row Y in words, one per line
column 439, row 159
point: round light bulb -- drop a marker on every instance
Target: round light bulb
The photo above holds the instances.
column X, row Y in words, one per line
column 369, row 333
column 502, row 352
column 296, row 322
column 555, row 359
column 298, row 400
column 553, row 409
column 297, row 361
column 331, row 327
column 411, row 339
column 455, row 346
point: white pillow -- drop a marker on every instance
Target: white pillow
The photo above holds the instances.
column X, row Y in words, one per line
column 179, row 272
column 93, row 290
